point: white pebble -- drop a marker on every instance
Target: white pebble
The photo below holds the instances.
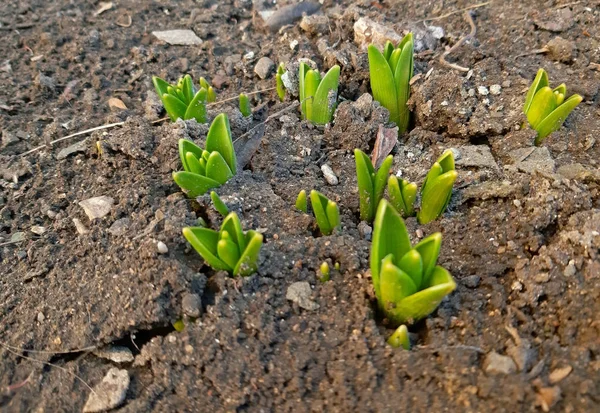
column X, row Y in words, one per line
column 495, row 89
column 162, row 247
column 329, row 175
column 483, row 91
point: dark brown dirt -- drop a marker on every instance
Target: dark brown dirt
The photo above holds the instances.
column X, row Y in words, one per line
column 521, row 236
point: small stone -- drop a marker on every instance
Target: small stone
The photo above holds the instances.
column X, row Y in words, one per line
column 69, row 150
column 249, row 56
column 517, row 203
column 119, row 227
column 529, row 160
column 329, row 175
column 189, row 348
column 522, row 354
column 109, row 393
column 45, row 83
column 483, row 91
column 264, row 67
column 365, row 230
column 118, row 354
column 570, row 269
column 40, row 317
column 178, row 37
column 191, row 304
column 80, row 227
column 561, row 50
column 294, row 44
column 38, row 230
column 478, row 156
column 300, row 293
column 495, row 89
column 472, row 281
column 315, row 24
column 367, row 31
column 547, row 397
column 289, row 14
column 17, row 237
column 162, row 247
column 97, row 207
column 495, row 363
column 559, row 374
column 554, row 19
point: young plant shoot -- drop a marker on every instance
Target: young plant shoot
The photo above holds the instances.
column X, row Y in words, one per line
column 245, row 105
column 325, row 272
column 408, row 284
column 326, row 212
column 400, row 338
column 390, row 74
column 208, row 168
column 371, row 184
column 402, row 195
column 211, row 95
column 318, row 97
column 182, row 100
column 546, row 109
column 228, row 249
column 437, row 188
column 279, row 82
column 219, row 204
column 301, row 203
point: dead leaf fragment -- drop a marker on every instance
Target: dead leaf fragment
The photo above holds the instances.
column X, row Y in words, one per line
column 384, row 143
column 559, row 374
column 104, row 6
column 547, row 397
column 116, row 103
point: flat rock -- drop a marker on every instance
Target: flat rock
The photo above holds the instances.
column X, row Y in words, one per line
column 367, row 31
column 97, row 207
column 300, row 293
column 264, row 67
column 478, row 156
column 531, row 159
column 178, row 37
column 118, row 354
column 109, row 393
column 490, row 189
column 561, row 50
column 69, row 150
column 554, row 20
column 120, row 227
column 275, row 20
column 495, row 363
column 191, row 304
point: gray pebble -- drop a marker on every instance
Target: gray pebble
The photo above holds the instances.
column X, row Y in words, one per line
column 191, row 304
column 109, row 393
column 264, row 67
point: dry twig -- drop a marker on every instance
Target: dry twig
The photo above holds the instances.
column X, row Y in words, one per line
column 443, row 61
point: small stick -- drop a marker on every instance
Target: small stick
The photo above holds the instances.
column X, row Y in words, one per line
column 13, row 387
column 536, row 51
column 471, row 34
column 443, row 16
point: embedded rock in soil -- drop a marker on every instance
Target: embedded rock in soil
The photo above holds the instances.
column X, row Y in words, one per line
column 367, row 31
column 316, row 24
column 275, row 20
column 300, row 293
column 178, row 37
column 191, row 304
column 118, row 354
column 75, row 148
column 329, row 175
column 97, row 207
column 264, row 67
column 554, row 19
column 495, row 363
column 478, row 156
column 109, row 393
column 531, row 159
column 561, row 50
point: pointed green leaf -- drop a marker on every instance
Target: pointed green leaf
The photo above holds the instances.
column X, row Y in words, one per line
column 160, row 86
column 318, row 202
column 555, row 120
column 429, row 250
column 227, row 250
column 389, row 237
column 304, row 68
column 231, row 224
column 333, row 215
column 197, row 107
column 366, row 189
column 402, row 75
column 203, row 83
column 400, row 338
column 219, row 204
column 540, row 81
column 424, row 302
column 409, row 195
column 380, row 181
column 175, row 108
column 388, row 49
column 245, row 105
column 436, row 196
column 217, row 169
column 204, row 241
column 382, row 83
column 394, row 58
column 193, row 165
column 248, row 262
column 395, row 195
column 311, row 83
column 542, row 105
column 188, row 88
column 301, row 203
column 194, row 184
column 186, row 146
column 412, row 264
column 211, row 95
column 395, row 284
column 435, row 171
column 219, row 139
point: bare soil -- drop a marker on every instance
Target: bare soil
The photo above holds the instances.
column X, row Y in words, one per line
column 521, row 236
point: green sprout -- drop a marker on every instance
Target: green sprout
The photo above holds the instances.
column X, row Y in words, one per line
column 208, row 168
column 279, row 82
column 408, row 284
column 182, row 100
column 326, row 211
column 211, row 95
column 400, row 338
column 546, row 109
column 390, row 74
column 371, row 184
column 402, row 195
column 219, row 204
column 245, row 105
column 318, row 97
column 301, row 203
column 437, row 188
column 325, row 272
column 228, row 249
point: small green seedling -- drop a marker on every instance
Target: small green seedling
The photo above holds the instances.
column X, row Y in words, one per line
column 211, row 95
column 437, row 188
column 408, row 284
column 390, row 74
column 228, row 249
column 208, row 168
column 219, row 204
column 371, row 184
column 179, row 325
column 326, row 212
column 245, row 105
column 402, row 195
column 325, row 272
column 546, row 109
column 279, row 82
column 400, row 338
column 318, row 97
column 301, row 203
column 182, row 100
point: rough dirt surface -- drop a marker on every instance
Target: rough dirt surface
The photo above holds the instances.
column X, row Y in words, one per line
column 521, row 236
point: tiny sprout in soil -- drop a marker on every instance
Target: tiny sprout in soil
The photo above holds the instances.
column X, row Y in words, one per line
column 318, row 97
column 326, row 212
column 371, row 184
column 400, row 338
column 437, row 188
column 182, row 100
